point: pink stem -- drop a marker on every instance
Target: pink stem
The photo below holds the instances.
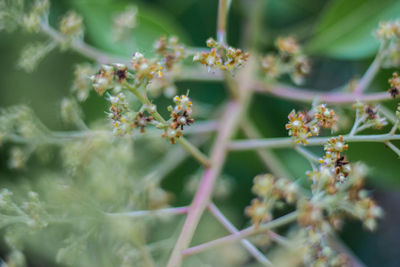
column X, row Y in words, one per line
column 227, row 127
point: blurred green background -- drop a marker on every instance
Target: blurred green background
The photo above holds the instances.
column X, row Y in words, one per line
column 337, row 34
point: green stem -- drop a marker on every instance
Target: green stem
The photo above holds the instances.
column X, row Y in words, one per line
column 252, row 230
column 286, row 142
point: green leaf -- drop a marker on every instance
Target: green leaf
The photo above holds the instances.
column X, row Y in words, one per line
column 152, row 24
column 345, row 29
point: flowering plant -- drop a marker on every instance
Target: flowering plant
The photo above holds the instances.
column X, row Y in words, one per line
column 105, row 200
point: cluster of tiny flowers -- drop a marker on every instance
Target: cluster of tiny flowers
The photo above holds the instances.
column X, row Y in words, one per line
column 124, row 120
column 331, row 201
column 108, row 77
column 124, row 22
column 269, row 190
column 389, row 35
column 82, row 84
column 369, row 115
column 170, row 50
column 221, row 57
column 180, row 116
column 144, row 68
column 289, row 60
column 71, row 25
column 317, row 253
column 37, row 15
column 181, row 113
column 30, row 212
column 388, row 30
column 297, row 126
column 394, row 82
column 303, row 125
column 334, row 161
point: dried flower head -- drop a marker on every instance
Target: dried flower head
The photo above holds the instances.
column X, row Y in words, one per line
column 141, row 121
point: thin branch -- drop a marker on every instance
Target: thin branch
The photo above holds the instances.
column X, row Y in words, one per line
column 142, row 213
column 370, row 74
column 308, row 155
column 395, row 126
column 223, row 9
column 252, row 230
column 267, row 156
column 232, row 229
column 308, row 96
column 203, row 194
column 285, row 142
column 394, row 148
column 357, row 122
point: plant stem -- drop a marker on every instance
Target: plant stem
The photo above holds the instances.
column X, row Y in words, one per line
column 285, row 142
column 252, row 230
column 267, row 156
column 394, row 128
column 141, row 213
column 232, row 229
column 393, row 147
column 369, row 75
column 223, row 8
column 203, row 194
column 308, row 96
column 227, row 127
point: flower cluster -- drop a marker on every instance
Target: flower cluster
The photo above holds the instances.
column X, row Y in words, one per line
column 37, row 15
column 170, row 50
column 369, row 116
column 317, row 253
column 394, row 82
column 82, row 83
column 388, row 30
column 144, row 68
column 297, row 126
column 221, row 57
column 303, row 124
column 326, row 118
column 333, row 160
column 124, row 22
column 289, row 60
column 123, row 119
column 270, row 190
column 389, row 35
column 108, row 77
column 181, row 115
column 71, row 25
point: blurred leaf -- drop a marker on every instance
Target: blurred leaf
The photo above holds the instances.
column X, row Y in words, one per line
column 383, row 163
column 152, row 24
column 345, row 29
